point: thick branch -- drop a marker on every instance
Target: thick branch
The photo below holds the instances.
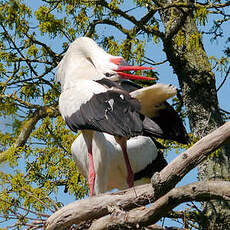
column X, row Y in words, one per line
column 98, row 206
column 144, row 216
column 181, row 165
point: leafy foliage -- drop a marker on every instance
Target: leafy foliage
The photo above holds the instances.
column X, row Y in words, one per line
column 33, row 138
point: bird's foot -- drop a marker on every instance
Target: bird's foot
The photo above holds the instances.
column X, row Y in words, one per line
column 130, row 180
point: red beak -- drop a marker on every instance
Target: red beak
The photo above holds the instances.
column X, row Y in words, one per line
column 123, row 66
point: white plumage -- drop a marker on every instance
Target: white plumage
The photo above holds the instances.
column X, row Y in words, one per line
column 109, row 163
column 69, row 100
column 92, row 101
column 84, row 60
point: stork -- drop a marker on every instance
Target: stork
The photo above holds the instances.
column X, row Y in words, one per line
column 92, row 101
column 144, row 153
column 109, row 164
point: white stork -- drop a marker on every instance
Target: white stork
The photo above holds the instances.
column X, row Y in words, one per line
column 144, row 154
column 91, row 100
column 109, row 164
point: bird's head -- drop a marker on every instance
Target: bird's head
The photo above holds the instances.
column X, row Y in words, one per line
column 84, row 59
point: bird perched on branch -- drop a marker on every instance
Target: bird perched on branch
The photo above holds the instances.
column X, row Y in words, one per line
column 92, row 100
column 110, row 169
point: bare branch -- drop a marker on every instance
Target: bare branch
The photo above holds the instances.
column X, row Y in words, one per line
column 144, row 216
column 98, row 206
column 108, row 22
column 185, row 162
column 139, row 24
column 225, row 78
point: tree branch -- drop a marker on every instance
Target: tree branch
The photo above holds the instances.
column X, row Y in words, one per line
column 225, row 78
column 98, row 206
column 163, row 5
column 28, row 127
column 144, row 216
column 108, row 22
column 139, row 24
column 14, row 97
column 19, row 50
column 185, row 162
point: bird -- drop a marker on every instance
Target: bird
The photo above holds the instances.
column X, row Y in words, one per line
column 110, row 169
column 92, row 100
column 144, row 153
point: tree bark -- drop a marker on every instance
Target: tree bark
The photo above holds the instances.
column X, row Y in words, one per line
column 98, row 206
column 144, row 216
column 197, row 82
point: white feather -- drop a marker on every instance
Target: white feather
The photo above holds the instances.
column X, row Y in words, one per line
column 151, row 97
column 69, row 100
column 84, row 59
column 110, row 168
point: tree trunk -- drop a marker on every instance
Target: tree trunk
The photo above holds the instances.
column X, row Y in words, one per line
column 186, row 54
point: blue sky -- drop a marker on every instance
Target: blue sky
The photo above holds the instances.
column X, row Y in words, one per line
column 166, row 75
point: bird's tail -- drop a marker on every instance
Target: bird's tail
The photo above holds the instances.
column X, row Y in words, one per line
column 155, row 129
column 151, row 128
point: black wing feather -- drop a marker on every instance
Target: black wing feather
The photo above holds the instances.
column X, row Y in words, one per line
column 171, row 124
column 168, row 119
column 115, row 113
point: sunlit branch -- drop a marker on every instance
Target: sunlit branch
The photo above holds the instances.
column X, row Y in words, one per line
column 28, row 126
column 162, row 183
column 143, row 216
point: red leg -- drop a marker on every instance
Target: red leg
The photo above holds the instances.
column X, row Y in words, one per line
column 88, row 136
column 91, row 179
column 130, row 178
